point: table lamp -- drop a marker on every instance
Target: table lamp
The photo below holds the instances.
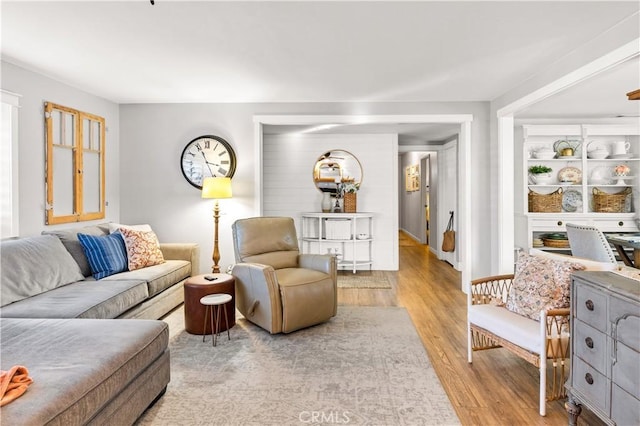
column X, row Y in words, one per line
column 216, row 188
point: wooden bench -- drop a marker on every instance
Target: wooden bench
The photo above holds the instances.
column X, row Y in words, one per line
column 543, row 343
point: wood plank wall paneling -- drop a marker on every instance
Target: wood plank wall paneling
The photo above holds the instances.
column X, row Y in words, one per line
column 498, row 388
column 289, row 189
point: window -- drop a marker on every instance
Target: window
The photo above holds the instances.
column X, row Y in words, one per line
column 75, row 165
column 9, row 165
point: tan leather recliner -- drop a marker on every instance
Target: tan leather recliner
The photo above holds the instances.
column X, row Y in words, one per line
column 277, row 288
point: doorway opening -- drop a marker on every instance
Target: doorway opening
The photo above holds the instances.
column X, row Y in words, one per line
column 463, row 165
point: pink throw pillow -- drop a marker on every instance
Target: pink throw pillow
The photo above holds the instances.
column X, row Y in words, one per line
column 143, row 248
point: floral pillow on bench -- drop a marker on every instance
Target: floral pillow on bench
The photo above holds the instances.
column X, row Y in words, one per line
column 540, row 283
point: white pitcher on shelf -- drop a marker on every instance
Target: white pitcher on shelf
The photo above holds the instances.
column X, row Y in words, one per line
column 620, row 147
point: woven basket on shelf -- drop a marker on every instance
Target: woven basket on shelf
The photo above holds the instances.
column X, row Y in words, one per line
column 556, row 243
column 545, row 203
column 610, row 203
column 350, row 200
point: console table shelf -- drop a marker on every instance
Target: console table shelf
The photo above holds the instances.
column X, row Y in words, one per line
column 347, row 235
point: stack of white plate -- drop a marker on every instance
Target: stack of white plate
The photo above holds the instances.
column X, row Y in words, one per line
column 537, row 242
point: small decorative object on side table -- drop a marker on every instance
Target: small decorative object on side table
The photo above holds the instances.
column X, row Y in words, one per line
column 349, row 191
column 198, row 286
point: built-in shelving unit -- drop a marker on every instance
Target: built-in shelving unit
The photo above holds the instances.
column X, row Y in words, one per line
column 585, row 176
column 349, row 236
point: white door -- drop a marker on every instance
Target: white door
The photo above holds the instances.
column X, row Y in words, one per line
column 447, row 200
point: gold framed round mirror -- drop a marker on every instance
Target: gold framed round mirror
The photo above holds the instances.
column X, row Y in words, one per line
column 334, row 167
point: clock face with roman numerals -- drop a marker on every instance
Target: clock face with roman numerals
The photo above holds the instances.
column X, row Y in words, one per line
column 207, row 156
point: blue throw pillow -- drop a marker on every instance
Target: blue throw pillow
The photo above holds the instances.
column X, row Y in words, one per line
column 107, row 254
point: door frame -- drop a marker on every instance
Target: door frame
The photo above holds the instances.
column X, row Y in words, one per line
column 425, row 172
column 464, row 163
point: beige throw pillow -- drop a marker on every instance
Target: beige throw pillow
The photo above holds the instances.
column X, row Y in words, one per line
column 143, row 248
column 540, row 283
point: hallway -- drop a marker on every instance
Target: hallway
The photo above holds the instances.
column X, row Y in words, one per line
column 499, row 388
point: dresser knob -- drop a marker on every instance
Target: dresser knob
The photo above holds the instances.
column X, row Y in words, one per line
column 620, row 223
column 589, row 304
column 559, row 223
column 589, row 342
column 589, row 378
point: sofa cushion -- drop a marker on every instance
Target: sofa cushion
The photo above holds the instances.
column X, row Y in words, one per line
column 540, row 283
column 107, row 254
column 78, row 366
column 143, row 248
column 157, row 277
column 69, row 238
column 34, row 265
column 82, row 299
column 299, row 276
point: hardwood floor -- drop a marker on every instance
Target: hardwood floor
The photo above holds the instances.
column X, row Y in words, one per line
column 498, row 388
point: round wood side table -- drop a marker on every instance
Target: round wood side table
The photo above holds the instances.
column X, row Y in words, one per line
column 195, row 288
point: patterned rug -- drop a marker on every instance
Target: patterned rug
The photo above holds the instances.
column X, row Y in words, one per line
column 365, row 366
column 363, row 279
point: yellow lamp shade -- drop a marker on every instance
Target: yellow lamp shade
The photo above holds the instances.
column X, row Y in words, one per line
column 216, row 187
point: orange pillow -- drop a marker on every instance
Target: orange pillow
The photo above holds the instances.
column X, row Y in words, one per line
column 143, row 248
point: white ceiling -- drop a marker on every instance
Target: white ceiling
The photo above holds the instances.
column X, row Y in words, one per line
column 315, row 51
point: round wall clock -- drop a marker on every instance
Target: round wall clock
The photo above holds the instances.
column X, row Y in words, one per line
column 207, row 156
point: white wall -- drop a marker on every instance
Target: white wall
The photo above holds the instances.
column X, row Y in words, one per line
column 36, row 90
column 154, row 191
column 144, row 142
column 289, row 189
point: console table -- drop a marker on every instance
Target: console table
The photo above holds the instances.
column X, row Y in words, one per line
column 347, row 235
column 605, row 348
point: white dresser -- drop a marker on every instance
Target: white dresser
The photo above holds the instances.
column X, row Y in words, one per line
column 605, row 348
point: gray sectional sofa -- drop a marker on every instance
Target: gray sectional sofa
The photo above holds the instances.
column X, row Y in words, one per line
column 94, row 348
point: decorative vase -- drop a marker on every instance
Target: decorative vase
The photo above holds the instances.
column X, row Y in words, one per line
column 326, row 202
column 350, row 199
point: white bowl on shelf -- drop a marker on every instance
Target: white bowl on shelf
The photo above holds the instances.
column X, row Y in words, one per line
column 598, row 154
column 544, row 154
column 542, row 178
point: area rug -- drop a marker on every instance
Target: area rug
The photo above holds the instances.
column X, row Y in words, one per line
column 363, row 279
column 366, row 366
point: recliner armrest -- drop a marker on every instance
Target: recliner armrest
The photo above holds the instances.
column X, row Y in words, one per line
column 258, row 295
column 318, row 262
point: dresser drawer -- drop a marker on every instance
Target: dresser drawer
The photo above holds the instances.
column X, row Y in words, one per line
column 625, row 409
column 555, row 225
column 615, row 225
column 590, row 345
column 628, row 329
column 626, row 370
column 591, row 307
column 591, row 384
